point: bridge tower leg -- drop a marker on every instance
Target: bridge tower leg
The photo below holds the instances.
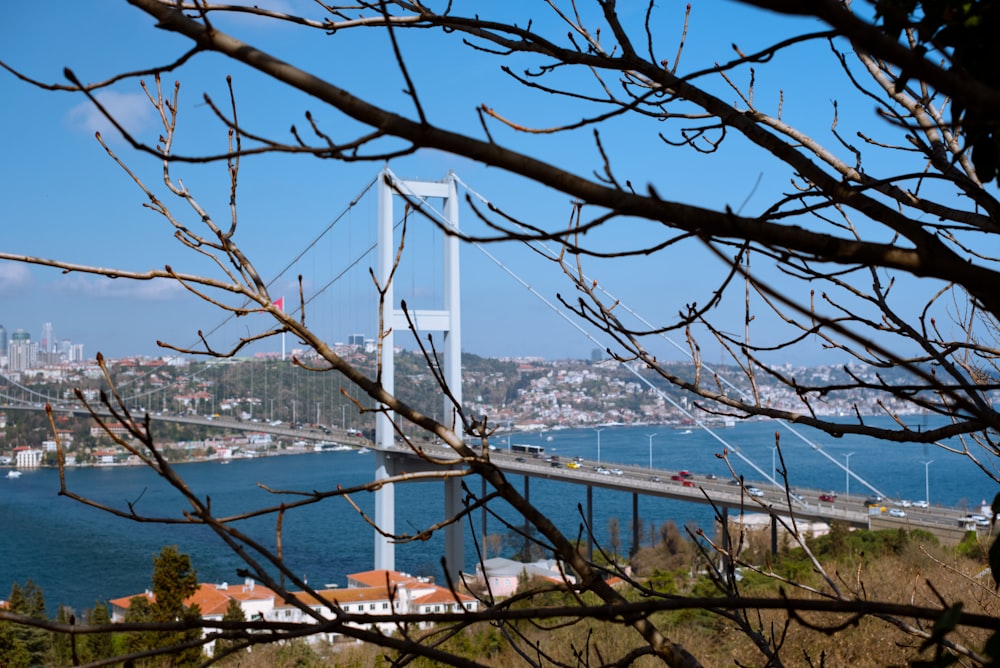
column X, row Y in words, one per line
column 447, row 320
column 635, row 524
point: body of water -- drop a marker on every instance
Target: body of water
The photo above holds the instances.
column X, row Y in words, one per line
column 79, row 555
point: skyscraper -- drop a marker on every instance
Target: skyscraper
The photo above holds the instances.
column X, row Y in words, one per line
column 21, row 352
column 48, row 338
column 3, row 340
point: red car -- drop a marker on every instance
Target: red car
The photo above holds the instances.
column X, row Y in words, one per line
column 688, row 483
column 684, row 474
column 829, row 498
column 676, row 477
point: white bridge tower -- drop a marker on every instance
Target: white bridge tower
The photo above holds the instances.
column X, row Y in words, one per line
column 447, row 319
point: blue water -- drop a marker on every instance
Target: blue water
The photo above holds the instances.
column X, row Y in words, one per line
column 79, row 555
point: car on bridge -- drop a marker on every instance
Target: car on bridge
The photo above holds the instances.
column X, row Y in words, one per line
column 828, row 497
column 897, row 512
column 921, row 504
column 754, row 491
column 688, row 483
column 572, row 465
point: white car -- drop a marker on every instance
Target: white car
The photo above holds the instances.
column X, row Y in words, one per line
column 920, row 504
column 617, row 471
column 896, row 512
column 753, row 491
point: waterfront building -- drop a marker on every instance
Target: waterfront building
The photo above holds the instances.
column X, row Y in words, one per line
column 28, row 458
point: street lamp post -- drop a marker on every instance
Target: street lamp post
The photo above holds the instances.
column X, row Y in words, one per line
column 343, row 416
column 650, row 436
column 599, row 430
column 927, row 481
column 847, row 471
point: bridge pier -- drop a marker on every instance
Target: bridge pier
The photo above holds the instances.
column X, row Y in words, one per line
column 590, row 523
column 527, row 527
column 635, row 524
column 385, row 513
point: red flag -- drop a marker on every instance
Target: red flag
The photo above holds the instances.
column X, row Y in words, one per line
column 280, row 303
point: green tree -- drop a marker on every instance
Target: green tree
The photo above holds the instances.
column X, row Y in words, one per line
column 174, row 580
column 96, row 646
column 23, row 645
column 234, row 613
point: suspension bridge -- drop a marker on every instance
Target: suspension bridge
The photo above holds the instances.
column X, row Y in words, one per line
column 436, row 308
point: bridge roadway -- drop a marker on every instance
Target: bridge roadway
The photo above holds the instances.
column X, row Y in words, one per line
column 940, row 520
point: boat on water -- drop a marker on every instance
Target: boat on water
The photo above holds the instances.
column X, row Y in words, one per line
column 13, row 474
column 329, row 446
column 363, row 451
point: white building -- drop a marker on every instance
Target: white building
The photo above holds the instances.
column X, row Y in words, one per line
column 369, row 595
column 28, row 458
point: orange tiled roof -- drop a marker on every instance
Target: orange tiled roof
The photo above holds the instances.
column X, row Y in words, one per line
column 442, row 595
column 378, row 578
column 211, row 599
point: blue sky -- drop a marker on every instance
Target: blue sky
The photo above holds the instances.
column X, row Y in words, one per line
column 61, row 197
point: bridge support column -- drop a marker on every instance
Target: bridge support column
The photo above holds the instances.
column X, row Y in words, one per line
column 527, row 527
column 385, row 514
column 725, row 539
column 482, row 512
column 635, row 524
column 590, row 523
column 454, row 537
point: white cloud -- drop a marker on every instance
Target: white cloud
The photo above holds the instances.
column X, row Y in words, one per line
column 132, row 111
column 14, row 277
column 158, row 290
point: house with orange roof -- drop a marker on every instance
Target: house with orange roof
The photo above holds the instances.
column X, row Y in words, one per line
column 371, row 594
column 374, row 594
column 213, row 600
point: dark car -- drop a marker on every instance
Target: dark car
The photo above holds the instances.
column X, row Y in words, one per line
column 519, row 459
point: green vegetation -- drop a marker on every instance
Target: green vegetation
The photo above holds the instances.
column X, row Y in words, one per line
column 174, row 580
